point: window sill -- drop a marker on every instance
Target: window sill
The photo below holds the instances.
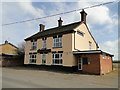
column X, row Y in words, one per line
column 43, row 64
column 44, row 48
column 58, row 64
column 33, row 49
column 32, row 63
column 57, row 47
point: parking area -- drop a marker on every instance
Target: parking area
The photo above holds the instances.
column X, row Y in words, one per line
column 22, row 77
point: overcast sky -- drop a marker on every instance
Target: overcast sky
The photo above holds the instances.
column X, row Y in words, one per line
column 102, row 21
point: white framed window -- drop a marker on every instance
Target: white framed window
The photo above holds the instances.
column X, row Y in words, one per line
column 104, row 56
column 32, row 58
column 58, row 42
column 44, row 43
column 90, row 45
column 43, row 58
column 33, row 45
column 57, row 59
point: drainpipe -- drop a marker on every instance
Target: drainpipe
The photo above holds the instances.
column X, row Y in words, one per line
column 74, row 43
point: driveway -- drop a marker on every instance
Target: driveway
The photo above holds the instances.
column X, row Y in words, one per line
column 21, row 77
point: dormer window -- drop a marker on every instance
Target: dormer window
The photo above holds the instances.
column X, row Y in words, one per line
column 57, row 41
column 33, row 44
column 44, row 43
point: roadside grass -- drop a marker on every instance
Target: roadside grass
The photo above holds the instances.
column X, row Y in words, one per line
column 116, row 66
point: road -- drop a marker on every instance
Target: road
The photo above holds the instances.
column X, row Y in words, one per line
column 20, row 77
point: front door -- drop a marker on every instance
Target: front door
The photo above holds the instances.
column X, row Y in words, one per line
column 79, row 63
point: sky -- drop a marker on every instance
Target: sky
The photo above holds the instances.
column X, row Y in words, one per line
column 102, row 21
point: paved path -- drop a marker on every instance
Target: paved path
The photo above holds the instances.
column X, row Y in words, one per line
column 26, row 78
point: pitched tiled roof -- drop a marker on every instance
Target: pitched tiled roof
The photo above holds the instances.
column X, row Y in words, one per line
column 53, row 31
column 10, row 44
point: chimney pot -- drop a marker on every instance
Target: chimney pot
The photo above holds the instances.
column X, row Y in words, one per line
column 6, row 42
column 42, row 27
column 60, row 22
column 83, row 16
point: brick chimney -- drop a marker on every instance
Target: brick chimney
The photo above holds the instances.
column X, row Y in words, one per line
column 60, row 22
column 42, row 27
column 83, row 16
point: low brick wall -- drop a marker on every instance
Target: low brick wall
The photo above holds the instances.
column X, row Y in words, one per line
column 7, row 61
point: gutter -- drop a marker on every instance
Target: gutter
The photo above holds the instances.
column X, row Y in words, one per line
column 74, row 43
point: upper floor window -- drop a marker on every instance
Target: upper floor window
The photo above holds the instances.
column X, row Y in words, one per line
column 58, row 42
column 32, row 58
column 80, row 33
column 44, row 43
column 33, row 44
column 90, row 45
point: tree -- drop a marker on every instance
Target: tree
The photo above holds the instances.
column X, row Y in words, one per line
column 21, row 50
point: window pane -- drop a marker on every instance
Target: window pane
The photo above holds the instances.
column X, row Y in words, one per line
column 80, row 33
column 33, row 45
column 60, row 39
column 60, row 61
column 60, row 56
column 85, row 61
column 57, row 40
column 57, row 44
column 60, row 44
column 34, row 56
column 56, row 55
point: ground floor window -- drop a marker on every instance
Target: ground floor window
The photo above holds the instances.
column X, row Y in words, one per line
column 32, row 58
column 57, row 59
column 85, row 60
column 43, row 58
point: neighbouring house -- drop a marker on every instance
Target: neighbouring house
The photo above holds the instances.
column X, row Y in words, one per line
column 69, row 45
column 8, row 55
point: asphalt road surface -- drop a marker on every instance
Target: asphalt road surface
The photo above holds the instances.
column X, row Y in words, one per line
column 20, row 77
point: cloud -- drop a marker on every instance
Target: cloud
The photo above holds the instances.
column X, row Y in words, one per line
column 99, row 15
column 27, row 7
column 111, row 47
